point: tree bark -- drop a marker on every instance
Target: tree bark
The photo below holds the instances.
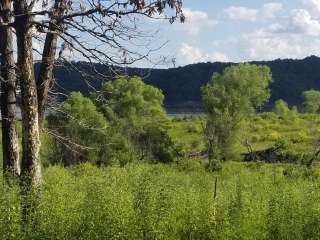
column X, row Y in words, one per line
column 48, row 59
column 30, row 164
column 10, row 143
column 45, row 74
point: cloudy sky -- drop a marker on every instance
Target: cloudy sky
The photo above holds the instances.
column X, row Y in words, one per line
column 242, row 30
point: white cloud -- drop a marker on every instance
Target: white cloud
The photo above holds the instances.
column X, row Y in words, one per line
column 313, row 7
column 189, row 54
column 195, row 21
column 290, row 36
column 302, row 22
column 270, row 10
column 299, row 21
column 266, row 44
column 241, row 13
column 284, row 34
column 219, row 57
column 267, row 11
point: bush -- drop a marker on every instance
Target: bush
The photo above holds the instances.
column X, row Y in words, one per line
column 161, row 146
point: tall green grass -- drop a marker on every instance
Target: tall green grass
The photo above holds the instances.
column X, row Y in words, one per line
column 262, row 131
column 253, row 201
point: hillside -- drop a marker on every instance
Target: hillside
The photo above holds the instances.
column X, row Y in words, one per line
column 181, row 86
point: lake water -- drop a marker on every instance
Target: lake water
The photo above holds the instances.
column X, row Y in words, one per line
column 172, row 114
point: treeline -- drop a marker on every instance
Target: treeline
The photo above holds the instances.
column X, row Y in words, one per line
column 181, row 86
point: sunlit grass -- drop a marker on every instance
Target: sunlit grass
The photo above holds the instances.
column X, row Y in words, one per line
column 253, row 201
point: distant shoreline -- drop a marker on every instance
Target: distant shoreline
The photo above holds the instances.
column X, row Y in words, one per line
column 170, row 112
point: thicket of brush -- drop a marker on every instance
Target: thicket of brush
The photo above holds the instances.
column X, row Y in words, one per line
column 253, row 201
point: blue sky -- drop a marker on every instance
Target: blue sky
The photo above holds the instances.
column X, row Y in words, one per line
column 242, row 30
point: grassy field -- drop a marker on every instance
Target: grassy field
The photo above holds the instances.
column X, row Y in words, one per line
column 180, row 200
column 252, row 201
column 301, row 132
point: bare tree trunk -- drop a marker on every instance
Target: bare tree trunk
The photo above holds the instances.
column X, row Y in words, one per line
column 45, row 75
column 30, row 165
column 10, row 143
column 48, row 59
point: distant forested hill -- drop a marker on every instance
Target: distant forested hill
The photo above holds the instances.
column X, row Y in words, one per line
column 181, row 86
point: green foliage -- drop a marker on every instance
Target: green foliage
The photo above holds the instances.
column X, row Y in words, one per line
column 125, row 123
column 243, row 87
column 311, row 101
column 81, row 133
column 137, row 110
column 188, row 135
column 281, row 108
column 261, row 132
column 294, row 110
column 130, row 98
column 160, row 144
column 251, row 201
column 230, row 98
column 193, row 128
column 10, row 215
column 273, row 136
column 214, row 164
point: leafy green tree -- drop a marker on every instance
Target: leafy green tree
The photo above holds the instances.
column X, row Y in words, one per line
column 137, row 110
column 281, row 108
column 230, row 98
column 81, row 132
column 311, row 101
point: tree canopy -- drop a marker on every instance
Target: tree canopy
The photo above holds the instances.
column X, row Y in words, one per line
column 130, row 97
column 137, row 110
column 311, row 101
column 231, row 97
column 125, row 121
column 80, row 129
column 238, row 91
